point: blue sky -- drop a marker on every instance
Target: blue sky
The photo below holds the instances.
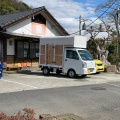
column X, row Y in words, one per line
column 96, row 2
column 67, row 12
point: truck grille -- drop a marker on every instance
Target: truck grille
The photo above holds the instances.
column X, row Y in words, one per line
column 91, row 69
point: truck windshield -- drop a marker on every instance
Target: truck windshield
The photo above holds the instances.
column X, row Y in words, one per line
column 85, row 55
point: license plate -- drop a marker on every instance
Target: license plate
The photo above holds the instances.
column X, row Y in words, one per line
column 91, row 69
column 100, row 67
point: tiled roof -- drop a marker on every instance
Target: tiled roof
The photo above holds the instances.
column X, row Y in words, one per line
column 9, row 19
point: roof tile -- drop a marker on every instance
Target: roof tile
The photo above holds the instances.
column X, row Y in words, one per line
column 10, row 18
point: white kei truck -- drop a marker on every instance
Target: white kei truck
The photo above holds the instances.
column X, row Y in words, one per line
column 65, row 54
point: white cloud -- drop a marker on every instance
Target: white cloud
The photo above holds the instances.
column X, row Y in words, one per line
column 66, row 12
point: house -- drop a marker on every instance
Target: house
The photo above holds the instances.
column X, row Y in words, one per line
column 20, row 33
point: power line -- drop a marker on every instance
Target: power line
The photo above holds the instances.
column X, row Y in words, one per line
column 99, row 16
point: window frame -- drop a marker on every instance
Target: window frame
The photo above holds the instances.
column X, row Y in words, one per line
column 28, row 56
column 73, row 56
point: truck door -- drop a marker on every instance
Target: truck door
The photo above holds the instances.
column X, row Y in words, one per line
column 71, row 61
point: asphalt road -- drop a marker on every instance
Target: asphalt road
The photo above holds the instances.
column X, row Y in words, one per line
column 96, row 97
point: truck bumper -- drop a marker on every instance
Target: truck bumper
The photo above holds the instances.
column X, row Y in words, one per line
column 88, row 71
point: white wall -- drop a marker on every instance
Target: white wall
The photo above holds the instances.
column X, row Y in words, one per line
column 22, row 28
column 10, row 47
column 26, row 28
column 50, row 31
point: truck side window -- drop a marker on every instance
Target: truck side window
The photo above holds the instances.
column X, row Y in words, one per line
column 72, row 54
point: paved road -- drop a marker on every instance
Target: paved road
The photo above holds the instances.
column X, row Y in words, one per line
column 96, row 97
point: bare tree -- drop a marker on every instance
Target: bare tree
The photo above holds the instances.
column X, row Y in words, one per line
column 97, row 45
column 110, row 19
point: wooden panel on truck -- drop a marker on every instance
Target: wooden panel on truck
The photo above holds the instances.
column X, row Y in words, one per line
column 58, row 54
column 50, row 54
column 42, row 59
column 58, row 49
column 42, row 50
column 42, row 55
column 58, row 59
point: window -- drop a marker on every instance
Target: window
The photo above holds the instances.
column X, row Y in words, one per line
column 27, row 49
column 72, row 54
column 34, row 48
column 39, row 19
column 85, row 55
column 20, row 50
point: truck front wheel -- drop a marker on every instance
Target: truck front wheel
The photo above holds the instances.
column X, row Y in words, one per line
column 46, row 71
column 71, row 73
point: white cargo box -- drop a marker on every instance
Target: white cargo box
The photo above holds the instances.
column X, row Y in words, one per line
column 74, row 41
column 51, row 48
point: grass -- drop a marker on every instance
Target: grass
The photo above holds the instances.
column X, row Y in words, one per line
column 12, row 72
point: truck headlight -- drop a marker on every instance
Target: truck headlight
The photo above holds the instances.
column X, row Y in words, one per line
column 84, row 64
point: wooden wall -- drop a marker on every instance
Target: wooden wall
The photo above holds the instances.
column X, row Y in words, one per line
column 12, row 62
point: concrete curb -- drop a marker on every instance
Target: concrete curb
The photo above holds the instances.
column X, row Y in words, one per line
column 60, row 117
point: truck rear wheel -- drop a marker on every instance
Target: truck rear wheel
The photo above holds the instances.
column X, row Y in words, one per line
column 71, row 73
column 46, row 71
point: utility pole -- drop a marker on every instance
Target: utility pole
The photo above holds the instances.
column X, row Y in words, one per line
column 80, row 25
column 83, row 26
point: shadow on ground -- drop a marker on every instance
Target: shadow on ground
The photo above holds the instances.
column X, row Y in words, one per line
column 39, row 73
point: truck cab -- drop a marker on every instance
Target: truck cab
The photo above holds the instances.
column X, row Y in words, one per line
column 77, row 61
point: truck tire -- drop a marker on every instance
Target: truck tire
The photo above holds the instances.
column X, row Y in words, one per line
column 71, row 73
column 46, row 71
